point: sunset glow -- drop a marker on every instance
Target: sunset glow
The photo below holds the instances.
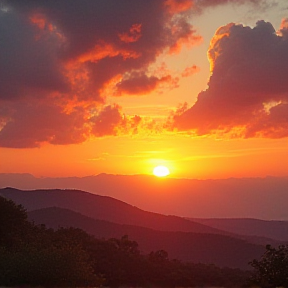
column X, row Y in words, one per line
column 190, row 83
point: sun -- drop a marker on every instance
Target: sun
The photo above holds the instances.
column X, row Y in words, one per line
column 161, row 171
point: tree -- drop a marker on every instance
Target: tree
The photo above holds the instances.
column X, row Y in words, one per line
column 34, row 255
column 13, row 223
column 65, row 266
column 159, row 257
column 272, row 269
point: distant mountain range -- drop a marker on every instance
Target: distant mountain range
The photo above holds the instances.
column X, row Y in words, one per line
column 260, row 198
column 184, row 239
column 277, row 230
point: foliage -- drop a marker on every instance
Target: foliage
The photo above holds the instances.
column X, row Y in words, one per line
column 272, row 269
column 13, row 223
column 33, row 255
column 50, row 267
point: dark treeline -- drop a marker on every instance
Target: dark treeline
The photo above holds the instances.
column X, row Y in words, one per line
column 34, row 255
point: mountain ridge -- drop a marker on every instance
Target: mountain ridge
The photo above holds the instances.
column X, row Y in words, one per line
column 104, row 216
column 277, row 230
column 221, row 250
column 121, row 212
column 115, row 210
column 215, row 198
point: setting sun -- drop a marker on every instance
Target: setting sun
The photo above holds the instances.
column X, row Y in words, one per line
column 161, row 171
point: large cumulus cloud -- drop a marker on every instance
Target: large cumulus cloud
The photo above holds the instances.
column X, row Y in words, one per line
column 248, row 89
column 61, row 59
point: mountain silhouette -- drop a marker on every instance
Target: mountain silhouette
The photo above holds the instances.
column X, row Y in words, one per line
column 259, row 198
column 104, row 208
column 223, row 251
column 277, row 230
column 106, row 217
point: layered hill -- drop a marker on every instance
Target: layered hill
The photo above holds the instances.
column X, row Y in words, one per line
column 259, row 198
column 107, row 217
column 277, row 230
column 223, row 251
column 103, row 208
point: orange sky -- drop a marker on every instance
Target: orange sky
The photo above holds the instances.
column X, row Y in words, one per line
column 106, row 93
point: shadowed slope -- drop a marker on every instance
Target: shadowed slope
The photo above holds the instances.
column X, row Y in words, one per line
column 195, row 247
column 105, row 208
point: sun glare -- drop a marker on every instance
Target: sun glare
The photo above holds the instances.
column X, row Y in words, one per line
column 161, row 171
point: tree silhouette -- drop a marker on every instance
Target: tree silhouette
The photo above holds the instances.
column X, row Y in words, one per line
column 34, row 255
column 13, row 223
column 272, row 269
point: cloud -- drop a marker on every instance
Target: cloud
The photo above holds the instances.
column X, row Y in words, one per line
column 260, row 4
column 31, row 123
column 284, row 27
column 139, row 84
column 90, row 37
column 248, row 89
column 29, row 65
column 133, row 35
column 63, row 58
column 176, row 6
column 189, row 71
column 108, row 121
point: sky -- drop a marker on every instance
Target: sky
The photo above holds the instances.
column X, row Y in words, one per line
column 119, row 87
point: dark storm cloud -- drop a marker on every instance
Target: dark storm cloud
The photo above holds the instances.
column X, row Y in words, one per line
column 248, row 89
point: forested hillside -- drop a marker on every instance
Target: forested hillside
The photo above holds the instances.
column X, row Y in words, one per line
column 34, row 255
column 106, row 217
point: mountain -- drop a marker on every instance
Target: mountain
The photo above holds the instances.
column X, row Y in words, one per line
column 223, row 251
column 103, row 208
column 107, row 217
column 260, row 198
column 116, row 211
column 277, row 230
